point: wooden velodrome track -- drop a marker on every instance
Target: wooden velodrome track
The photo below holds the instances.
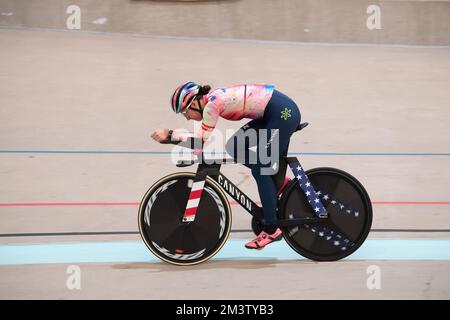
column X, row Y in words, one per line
column 76, row 111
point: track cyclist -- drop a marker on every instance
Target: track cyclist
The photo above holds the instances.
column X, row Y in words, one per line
column 267, row 108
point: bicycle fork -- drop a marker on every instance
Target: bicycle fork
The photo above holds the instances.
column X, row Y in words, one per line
column 194, row 197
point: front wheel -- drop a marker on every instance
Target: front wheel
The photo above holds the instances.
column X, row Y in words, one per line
column 176, row 242
column 349, row 215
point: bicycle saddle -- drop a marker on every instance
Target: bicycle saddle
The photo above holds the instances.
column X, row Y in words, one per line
column 302, row 126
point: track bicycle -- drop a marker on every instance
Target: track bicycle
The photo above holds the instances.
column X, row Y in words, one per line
column 185, row 218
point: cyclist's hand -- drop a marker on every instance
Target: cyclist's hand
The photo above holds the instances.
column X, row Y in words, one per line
column 160, row 135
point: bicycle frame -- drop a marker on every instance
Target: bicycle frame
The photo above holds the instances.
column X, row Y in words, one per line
column 213, row 171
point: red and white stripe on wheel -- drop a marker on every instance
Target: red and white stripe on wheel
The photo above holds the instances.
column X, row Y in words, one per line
column 194, row 199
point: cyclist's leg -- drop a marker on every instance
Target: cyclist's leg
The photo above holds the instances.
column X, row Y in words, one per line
column 281, row 118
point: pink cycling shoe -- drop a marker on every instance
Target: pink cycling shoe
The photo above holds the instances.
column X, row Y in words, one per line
column 263, row 239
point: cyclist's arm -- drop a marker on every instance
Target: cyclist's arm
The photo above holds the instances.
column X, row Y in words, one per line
column 211, row 115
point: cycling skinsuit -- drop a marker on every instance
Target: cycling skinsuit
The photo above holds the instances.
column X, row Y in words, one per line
column 269, row 109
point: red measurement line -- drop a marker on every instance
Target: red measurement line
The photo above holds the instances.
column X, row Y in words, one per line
column 393, row 202
column 67, row 204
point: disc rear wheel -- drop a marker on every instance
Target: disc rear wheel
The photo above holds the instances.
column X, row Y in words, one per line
column 349, row 216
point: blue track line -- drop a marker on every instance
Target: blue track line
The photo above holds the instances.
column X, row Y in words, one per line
column 135, row 251
column 388, row 154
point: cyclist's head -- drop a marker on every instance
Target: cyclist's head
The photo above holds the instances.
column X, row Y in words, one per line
column 184, row 96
